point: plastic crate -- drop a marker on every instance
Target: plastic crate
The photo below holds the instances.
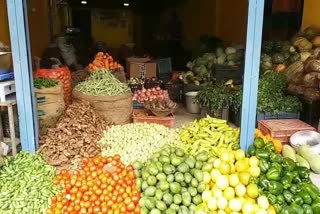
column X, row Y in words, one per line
column 283, row 129
column 164, row 66
column 311, row 112
column 175, row 90
column 137, row 105
column 7, row 76
column 142, row 116
column 223, row 73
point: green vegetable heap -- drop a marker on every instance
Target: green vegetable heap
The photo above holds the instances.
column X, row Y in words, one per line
column 286, row 184
column 102, row 83
column 44, row 83
column 209, row 135
column 26, row 184
column 171, row 181
column 136, row 141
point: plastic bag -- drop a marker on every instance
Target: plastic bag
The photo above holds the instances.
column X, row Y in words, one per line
column 311, row 80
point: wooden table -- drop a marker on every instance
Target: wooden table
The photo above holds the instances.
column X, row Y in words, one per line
column 11, row 101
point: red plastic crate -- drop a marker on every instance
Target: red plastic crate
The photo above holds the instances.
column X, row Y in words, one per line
column 283, row 129
column 142, row 115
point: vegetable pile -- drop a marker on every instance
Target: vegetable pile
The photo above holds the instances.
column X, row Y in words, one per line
column 102, row 83
column 161, row 107
column 103, row 61
column 228, row 186
column 26, row 184
column 136, row 141
column 209, row 135
column 171, row 181
column 102, row 185
column 44, row 83
column 285, row 183
column 150, row 94
column 74, row 137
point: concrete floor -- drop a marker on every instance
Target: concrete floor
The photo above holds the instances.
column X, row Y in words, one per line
column 183, row 117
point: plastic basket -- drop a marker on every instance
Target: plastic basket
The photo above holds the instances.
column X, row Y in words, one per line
column 283, row 129
column 142, row 116
column 223, row 73
column 175, row 90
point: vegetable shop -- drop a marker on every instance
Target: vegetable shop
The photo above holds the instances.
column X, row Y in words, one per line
column 181, row 106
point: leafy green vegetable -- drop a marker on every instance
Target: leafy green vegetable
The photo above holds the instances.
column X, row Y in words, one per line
column 44, row 83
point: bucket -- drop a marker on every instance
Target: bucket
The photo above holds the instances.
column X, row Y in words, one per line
column 192, row 106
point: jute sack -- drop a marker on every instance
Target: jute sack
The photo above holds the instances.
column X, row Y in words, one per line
column 50, row 106
column 115, row 109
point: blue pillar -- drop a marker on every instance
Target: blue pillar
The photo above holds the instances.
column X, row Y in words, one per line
column 251, row 75
column 20, row 45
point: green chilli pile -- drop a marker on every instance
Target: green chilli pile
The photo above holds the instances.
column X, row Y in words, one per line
column 26, row 184
column 44, row 83
column 136, row 141
column 102, row 83
column 209, row 135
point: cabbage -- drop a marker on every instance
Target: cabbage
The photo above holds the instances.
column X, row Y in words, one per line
column 230, row 50
column 221, row 59
column 220, row 52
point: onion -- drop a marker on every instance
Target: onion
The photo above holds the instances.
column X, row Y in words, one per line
column 144, row 90
column 153, row 89
column 158, row 88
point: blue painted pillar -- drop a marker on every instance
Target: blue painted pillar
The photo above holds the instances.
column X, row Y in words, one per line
column 251, row 75
column 20, row 45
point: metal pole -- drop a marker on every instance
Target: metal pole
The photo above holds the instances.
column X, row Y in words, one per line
column 20, row 45
column 251, row 75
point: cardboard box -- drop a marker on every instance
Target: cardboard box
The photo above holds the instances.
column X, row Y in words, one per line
column 141, row 67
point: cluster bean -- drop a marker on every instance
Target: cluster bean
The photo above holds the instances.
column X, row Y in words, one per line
column 26, row 185
column 137, row 141
column 44, row 83
column 102, row 83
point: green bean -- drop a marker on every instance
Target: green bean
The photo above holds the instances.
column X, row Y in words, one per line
column 44, row 83
column 102, row 83
column 26, row 181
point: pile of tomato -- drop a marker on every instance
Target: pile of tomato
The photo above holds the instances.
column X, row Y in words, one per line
column 103, row 185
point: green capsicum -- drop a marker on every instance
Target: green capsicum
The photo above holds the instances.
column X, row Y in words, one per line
column 272, row 198
column 297, row 208
column 288, row 196
column 303, row 172
column 298, row 199
column 280, row 199
column 273, row 174
column 288, row 173
column 264, row 182
column 296, row 179
column 262, row 154
column 264, row 165
column 312, row 190
column 276, row 165
column 269, row 147
column 277, row 207
column 275, row 188
column 286, row 181
column 316, row 206
column 307, row 209
column 275, row 158
column 294, row 189
column 287, row 210
column 288, row 164
column 251, row 150
column 305, row 196
column 259, row 143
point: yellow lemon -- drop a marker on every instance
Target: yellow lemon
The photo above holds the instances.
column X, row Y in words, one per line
column 221, row 212
column 229, row 193
column 216, row 163
column 244, row 178
column 222, row 182
column 232, row 158
column 254, row 161
column 239, row 154
column 240, row 190
column 263, row 202
column 214, row 174
column 234, row 180
column 206, row 195
column 235, row 205
column 212, row 204
column 271, row 210
column 222, row 203
column 252, row 191
column 232, row 168
column 224, row 168
column 247, row 208
column 250, row 200
column 241, row 166
column 206, row 177
column 216, row 192
column 225, row 156
column 255, row 171
column 261, row 211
